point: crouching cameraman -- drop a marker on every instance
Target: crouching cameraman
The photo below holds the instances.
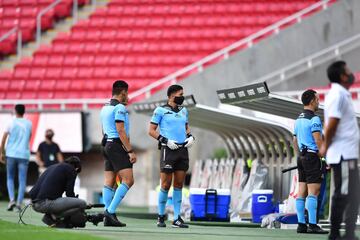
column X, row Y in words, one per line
column 46, row 196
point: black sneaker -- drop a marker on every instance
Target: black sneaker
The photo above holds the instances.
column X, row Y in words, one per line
column 161, row 221
column 48, row 220
column 110, row 220
column 179, row 223
column 95, row 218
column 11, row 206
column 302, row 228
column 315, row 229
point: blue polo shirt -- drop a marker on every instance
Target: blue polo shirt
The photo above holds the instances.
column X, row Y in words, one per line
column 172, row 122
column 18, row 144
column 305, row 125
column 110, row 114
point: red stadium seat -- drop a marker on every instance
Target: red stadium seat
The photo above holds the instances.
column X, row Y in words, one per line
column 40, row 61
column 23, row 14
column 69, row 73
column 85, row 73
column 32, row 85
column 37, row 73
column 21, row 73
column 56, row 61
column 139, row 41
column 47, row 85
column 86, row 60
column 53, row 73
column 62, row 85
column 17, row 85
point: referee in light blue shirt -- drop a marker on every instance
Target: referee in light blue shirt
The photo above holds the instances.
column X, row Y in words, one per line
column 119, row 155
column 17, row 149
column 307, row 141
column 174, row 137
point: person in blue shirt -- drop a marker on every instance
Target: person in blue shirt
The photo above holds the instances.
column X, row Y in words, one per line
column 118, row 152
column 307, row 141
column 174, row 140
column 17, row 155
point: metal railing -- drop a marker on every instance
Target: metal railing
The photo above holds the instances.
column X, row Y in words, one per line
column 18, row 41
column 75, row 9
column 311, row 61
column 38, row 20
column 225, row 52
column 172, row 78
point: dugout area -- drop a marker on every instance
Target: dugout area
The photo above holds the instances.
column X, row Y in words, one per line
column 244, row 136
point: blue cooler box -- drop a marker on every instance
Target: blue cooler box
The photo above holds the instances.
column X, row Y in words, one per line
column 261, row 204
column 210, row 204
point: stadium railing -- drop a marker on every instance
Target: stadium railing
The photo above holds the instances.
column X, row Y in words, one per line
column 38, row 19
column 197, row 66
column 311, row 61
column 14, row 30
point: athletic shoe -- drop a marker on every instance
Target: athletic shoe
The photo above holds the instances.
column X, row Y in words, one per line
column 315, row 229
column 161, row 221
column 302, row 228
column 110, row 220
column 48, row 220
column 18, row 208
column 179, row 223
column 11, row 205
column 96, row 218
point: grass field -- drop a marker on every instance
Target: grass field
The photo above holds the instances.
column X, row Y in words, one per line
column 136, row 229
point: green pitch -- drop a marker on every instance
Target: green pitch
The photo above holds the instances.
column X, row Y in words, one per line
column 137, row 229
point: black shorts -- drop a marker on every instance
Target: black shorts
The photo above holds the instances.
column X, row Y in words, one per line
column 116, row 158
column 310, row 168
column 174, row 160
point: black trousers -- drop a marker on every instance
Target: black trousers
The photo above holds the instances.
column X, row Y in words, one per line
column 345, row 200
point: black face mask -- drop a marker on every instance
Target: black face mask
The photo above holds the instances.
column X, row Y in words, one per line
column 49, row 136
column 351, row 78
column 179, row 100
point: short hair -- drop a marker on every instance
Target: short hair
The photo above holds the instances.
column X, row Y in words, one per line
column 335, row 70
column 308, row 96
column 75, row 162
column 20, row 109
column 173, row 89
column 119, row 86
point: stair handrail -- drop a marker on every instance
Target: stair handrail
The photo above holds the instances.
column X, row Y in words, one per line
column 38, row 20
column 19, row 39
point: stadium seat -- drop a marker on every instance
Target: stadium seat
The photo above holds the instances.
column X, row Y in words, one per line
column 24, row 13
column 138, row 41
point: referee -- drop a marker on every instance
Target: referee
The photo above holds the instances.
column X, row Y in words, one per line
column 174, row 138
column 341, row 146
column 307, row 141
column 119, row 155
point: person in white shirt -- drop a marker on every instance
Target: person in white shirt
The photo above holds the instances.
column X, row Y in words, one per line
column 341, row 146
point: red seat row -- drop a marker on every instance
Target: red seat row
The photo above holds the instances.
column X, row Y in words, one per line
column 23, row 13
column 139, row 41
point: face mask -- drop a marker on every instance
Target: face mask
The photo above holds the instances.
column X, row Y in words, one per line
column 179, row 100
column 351, row 78
column 49, row 136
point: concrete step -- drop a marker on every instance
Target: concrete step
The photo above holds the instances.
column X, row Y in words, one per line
column 47, row 37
